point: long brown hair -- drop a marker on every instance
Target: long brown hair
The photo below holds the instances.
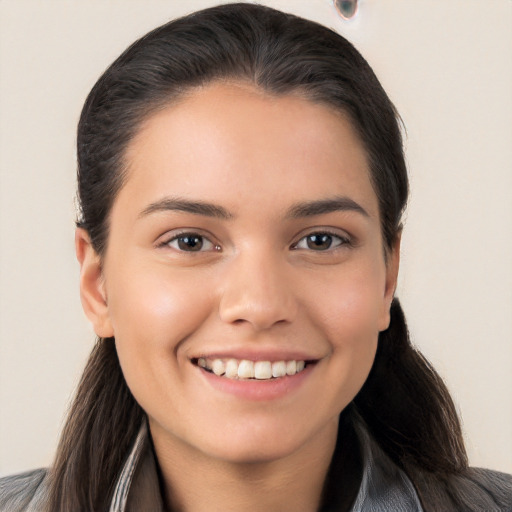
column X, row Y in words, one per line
column 404, row 403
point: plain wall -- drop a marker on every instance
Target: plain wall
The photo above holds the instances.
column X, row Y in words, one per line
column 447, row 66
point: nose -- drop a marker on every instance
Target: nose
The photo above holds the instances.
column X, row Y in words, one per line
column 257, row 291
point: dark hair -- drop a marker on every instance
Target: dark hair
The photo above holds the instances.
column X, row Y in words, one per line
column 404, row 403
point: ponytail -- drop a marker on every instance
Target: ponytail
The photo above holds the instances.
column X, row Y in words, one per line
column 407, row 406
column 101, row 426
column 411, row 415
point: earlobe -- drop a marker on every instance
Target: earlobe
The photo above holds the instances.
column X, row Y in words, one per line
column 392, row 266
column 92, row 285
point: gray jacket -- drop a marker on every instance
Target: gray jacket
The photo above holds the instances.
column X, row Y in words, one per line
column 384, row 487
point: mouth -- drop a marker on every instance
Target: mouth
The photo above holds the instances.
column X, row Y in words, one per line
column 245, row 369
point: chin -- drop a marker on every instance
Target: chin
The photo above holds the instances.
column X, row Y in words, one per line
column 251, row 452
column 262, row 443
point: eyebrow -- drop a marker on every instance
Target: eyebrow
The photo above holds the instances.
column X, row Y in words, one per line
column 186, row 205
column 298, row 210
column 323, row 206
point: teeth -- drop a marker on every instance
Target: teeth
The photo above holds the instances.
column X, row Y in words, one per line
column 245, row 369
column 232, row 368
column 262, row 370
column 218, row 367
column 279, row 369
column 291, row 367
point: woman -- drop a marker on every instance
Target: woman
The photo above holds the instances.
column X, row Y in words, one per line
column 241, row 181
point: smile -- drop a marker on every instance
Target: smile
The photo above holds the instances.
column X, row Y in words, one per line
column 245, row 369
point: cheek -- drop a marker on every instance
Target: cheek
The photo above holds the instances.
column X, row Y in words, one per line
column 348, row 314
column 155, row 301
column 349, row 303
column 152, row 312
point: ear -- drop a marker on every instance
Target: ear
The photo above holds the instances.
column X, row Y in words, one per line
column 392, row 265
column 92, row 285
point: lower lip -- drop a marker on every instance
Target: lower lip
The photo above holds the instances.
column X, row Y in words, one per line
column 258, row 390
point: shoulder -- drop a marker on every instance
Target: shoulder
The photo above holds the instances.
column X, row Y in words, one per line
column 474, row 490
column 495, row 485
column 19, row 493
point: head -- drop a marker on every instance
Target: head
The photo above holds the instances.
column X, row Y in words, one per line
column 253, row 75
column 157, row 131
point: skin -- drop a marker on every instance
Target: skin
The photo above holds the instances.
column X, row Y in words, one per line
column 257, row 287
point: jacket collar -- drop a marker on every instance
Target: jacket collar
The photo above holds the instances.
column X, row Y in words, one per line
column 383, row 486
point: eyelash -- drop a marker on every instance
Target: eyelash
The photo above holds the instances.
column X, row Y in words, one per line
column 343, row 241
column 189, row 234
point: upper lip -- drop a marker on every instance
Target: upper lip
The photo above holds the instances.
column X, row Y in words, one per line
column 257, row 354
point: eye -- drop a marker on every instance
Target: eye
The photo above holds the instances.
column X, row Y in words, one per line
column 190, row 242
column 321, row 241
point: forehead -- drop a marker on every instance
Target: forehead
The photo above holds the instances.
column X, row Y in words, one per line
column 233, row 143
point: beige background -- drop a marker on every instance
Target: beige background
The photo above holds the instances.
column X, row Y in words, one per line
column 447, row 66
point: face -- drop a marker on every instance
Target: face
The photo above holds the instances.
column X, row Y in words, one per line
column 244, row 278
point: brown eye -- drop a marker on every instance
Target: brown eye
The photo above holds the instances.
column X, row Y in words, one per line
column 321, row 242
column 191, row 242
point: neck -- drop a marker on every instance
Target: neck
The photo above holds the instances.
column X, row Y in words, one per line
column 193, row 482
